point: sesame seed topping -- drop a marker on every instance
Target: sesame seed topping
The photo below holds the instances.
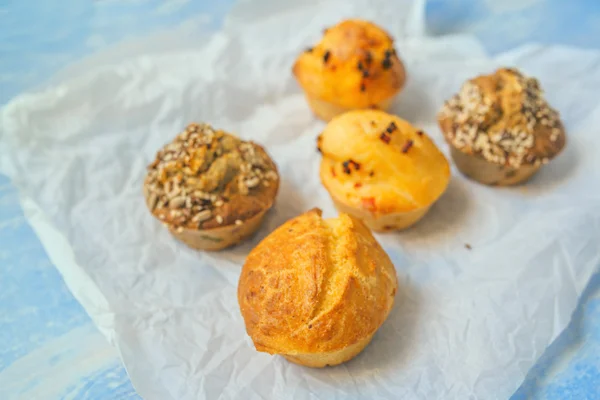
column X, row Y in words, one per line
column 219, row 219
column 238, row 222
column 501, row 132
column 199, row 171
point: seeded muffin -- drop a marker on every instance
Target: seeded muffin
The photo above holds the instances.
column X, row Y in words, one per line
column 380, row 169
column 355, row 66
column 209, row 188
column 500, row 128
column 316, row 290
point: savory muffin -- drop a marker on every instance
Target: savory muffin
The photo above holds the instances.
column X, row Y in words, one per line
column 380, row 169
column 316, row 290
column 210, row 188
column 500, row 128
column 355, row 66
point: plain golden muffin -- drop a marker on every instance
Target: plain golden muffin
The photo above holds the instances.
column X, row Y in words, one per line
column 209, row 188
column 354, row 66
column 500, row 128
column 316, row 290
column 380, row 169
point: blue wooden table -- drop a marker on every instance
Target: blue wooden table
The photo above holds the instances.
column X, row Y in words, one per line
column 49, row 348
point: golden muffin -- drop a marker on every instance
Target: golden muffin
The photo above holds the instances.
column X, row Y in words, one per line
column 380, row 169
column 316, row 290
column 211, row 189
column 500, row 128
column 355, row 66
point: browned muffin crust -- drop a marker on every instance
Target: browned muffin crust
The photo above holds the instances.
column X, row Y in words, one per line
column 207, row 178
column 315, row 286
column 504, row 118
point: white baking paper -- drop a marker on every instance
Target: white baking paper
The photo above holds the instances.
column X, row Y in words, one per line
column 467, row 324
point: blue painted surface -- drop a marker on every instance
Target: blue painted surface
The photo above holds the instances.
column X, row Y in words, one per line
column 36, row 309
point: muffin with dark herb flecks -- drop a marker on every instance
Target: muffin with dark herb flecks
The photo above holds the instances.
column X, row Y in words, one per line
column 209, row 188
column 380, row 169
column 500, row 128
column 354, row 66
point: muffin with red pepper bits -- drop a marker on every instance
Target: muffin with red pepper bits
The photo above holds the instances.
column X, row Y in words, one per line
column 380, row 169
column 209, row 188
column 500, row 128
column 354, row 66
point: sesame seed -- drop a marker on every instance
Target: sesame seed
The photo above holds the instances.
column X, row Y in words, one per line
column 471, row 112
column 219, row 219
column 238, row 222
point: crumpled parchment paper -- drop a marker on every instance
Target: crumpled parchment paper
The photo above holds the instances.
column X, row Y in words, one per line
column 467, row 323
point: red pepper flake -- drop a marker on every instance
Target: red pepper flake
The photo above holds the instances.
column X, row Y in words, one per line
column 357, row 185
column 389, row 52
column 319, row 150
column 365, row 73
column 420, row 133
column 360, row 66
column 333, row 172
column 346, row 166
column 368, row 58
column 362, row 87
column 407, row 146
column 348, row 163
column 386, row 63
column 391, row 127
column 385, row 138
column 354, row 164
column 372, row 173
column 369, row 203
column 373, row 123
column 326, row 56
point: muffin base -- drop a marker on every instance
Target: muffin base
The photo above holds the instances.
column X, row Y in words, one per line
column 218, row 238
column 326, row 110
column 488, row 173
column 383, row 223
column 320, row 360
